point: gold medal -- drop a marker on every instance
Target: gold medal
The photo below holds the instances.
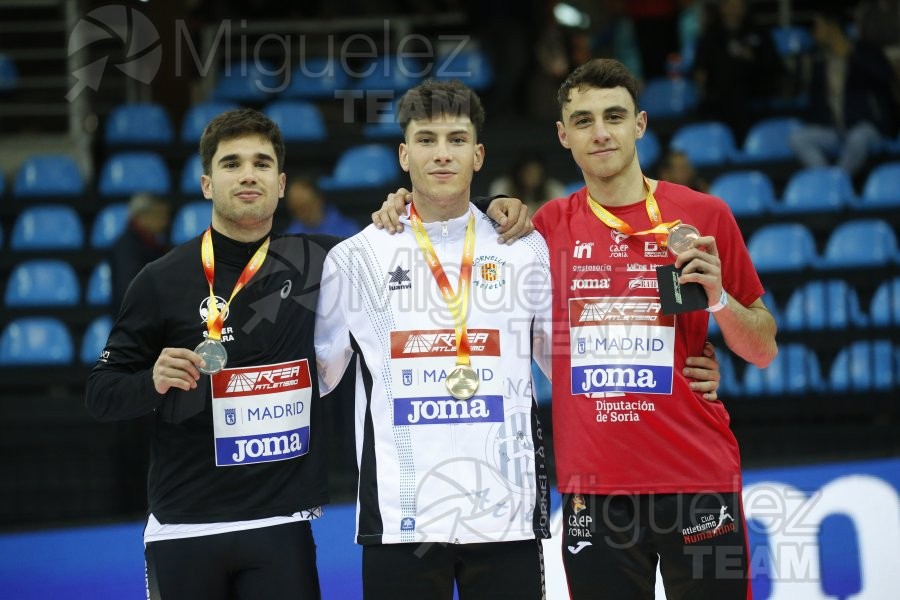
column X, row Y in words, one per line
column 462, row 382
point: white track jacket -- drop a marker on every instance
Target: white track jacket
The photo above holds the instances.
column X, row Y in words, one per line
column 433, row 468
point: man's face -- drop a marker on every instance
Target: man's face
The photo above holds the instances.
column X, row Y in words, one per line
column 600, row 127
column 441, row 155
column 244, row 183
column 305, row 203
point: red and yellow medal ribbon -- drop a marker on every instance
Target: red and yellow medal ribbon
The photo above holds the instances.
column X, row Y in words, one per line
column 457, row 303
column 215, row 317
column 659, row 229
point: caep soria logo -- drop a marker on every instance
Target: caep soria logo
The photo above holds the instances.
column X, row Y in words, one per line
column 138, row 36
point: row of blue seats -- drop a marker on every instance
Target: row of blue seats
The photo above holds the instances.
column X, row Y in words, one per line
column 774, row 247
column 863, row 366
column 712, row 144
column 53, row 282
column 59, row 227
column 751, row 193
column 748, row 193
column 126, row 173
column 791, row 247
column 41, row 341
column 833, row 305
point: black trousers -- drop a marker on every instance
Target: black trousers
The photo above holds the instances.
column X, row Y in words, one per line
column 611, row 545
column 428, row 571
column 275, row 563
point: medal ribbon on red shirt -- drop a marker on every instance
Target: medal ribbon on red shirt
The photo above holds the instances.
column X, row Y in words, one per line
column 457, row 303
column 660, row 230
column 215, row 317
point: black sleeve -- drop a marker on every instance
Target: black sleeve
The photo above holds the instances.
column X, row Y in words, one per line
column 120, row 385
column 483, row 202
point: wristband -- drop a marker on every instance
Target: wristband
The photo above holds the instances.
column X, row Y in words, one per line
column 722, row 303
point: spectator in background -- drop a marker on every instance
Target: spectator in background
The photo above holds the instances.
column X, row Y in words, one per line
column 529, row 182
column 676, row 167
column 144, row 240
column 736, row 63
column 616, row 37
column 309, row 213
column 851, row 106
column 656, row 25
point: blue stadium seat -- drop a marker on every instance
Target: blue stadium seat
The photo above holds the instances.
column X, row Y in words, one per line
column 648, row 149
column 198, row 116
column 782, row 247
column 47, row 227
column 866, row 365
column 668, row 98
column 299, row 121
column 385, row 123
column 190, row 176
column 882, row 188
column 191, row 220
column 94, row 340
column 42, row 282
column 250, row 81
column 885, row 307
column 795, row 370
column 390, row 73
column 817, row 189
column 99, row 285
column 470, row 66
column 817, row 305
column 792, row 40
column 860, row 243
column 363, row 166
column 768, row 140
column 48, row 175
column 138, row 124
column 317, row 78
column 128, row 173
column 706, row 144
column 109, row 224
column 35, row 341
column 747, row 193
column 9, row 74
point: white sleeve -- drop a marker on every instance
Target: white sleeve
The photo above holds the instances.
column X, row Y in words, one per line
column 542, row 327
column 332, row 333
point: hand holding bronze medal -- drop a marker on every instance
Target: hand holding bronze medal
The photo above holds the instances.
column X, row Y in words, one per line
column 211, row 350
column 678, row 297
column 681, row 237
column 462, row 382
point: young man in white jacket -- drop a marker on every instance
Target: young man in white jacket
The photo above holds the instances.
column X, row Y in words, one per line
column 454, row 488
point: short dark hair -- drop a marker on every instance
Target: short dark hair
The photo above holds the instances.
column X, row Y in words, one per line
column 239, row 123
column 602, row 73
column 433, row 98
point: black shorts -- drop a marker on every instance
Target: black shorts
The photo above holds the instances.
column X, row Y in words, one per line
column 490, row 571
column 611, row 545
column 275, row 563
